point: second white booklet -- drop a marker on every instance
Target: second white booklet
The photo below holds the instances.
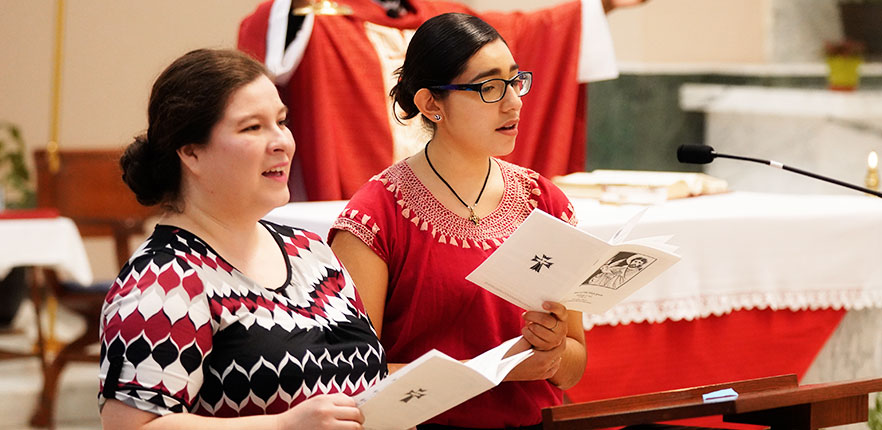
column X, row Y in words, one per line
column 434, row 383
column 546, row 259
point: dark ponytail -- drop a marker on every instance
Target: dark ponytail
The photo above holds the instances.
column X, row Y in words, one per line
column 438, row 52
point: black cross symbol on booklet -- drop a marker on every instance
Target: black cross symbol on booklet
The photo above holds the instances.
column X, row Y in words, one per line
column 544, row 260
column 413, row 394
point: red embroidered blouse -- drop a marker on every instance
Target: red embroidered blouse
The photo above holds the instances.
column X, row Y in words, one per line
column 429, row 250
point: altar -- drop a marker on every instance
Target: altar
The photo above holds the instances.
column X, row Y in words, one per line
column 764, row 281
column 826, row 132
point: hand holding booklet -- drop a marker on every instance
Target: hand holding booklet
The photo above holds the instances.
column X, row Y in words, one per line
column 433, row 384
column 546, row 259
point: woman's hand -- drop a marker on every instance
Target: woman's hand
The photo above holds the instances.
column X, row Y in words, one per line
column 325, row 412
column 332, row 411
column 546, row 331
column 540, row 365
column 546, row 334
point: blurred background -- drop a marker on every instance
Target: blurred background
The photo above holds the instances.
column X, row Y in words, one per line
column 749, row 77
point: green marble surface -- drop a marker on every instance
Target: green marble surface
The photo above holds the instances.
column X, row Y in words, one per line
column 635, row 122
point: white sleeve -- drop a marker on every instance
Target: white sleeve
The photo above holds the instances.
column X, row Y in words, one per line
column 283, row 60
column 597, row 58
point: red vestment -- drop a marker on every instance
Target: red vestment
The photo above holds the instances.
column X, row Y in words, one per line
column 339, row 114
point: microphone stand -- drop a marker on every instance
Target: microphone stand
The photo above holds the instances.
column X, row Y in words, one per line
column 800, row 171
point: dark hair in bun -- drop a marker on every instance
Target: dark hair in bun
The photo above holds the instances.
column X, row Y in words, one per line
column 438, row 52
column 187, row 100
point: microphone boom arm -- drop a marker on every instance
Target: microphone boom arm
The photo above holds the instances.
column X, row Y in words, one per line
column 800, row 171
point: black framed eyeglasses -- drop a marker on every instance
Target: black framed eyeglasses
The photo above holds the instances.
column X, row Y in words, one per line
column 493, row 90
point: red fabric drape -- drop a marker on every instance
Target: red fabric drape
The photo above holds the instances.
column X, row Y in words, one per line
column 337, row 101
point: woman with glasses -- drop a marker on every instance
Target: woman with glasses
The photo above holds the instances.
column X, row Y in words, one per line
column 412, row 233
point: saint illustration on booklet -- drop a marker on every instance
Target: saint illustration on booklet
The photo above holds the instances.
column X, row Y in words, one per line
column 619, row 270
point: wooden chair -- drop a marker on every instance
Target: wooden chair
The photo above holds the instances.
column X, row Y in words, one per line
column 88, row 189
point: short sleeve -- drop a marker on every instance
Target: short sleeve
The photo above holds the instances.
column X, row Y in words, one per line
column 370, row 216
column 156, row 331
column 553, row 201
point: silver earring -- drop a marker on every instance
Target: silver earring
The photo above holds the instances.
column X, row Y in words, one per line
column 437, row 117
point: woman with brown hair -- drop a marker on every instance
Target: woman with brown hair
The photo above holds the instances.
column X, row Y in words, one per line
column 221, row 319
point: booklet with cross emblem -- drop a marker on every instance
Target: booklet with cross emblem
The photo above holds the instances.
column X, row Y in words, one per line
column 546, row 259
column 432, row 384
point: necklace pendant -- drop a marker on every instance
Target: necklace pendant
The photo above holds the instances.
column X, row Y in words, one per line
column 474, row 218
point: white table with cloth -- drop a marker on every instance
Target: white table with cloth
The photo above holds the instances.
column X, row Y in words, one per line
column 40, row 238
column 764, row 281
column 52, row 242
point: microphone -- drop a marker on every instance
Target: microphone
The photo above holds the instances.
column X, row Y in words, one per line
column 703, row 154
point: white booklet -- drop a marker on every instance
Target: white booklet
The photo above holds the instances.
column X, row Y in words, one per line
column 433, row 384
column 546, row 259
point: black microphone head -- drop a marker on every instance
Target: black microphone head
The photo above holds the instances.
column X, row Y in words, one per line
column 695, row 154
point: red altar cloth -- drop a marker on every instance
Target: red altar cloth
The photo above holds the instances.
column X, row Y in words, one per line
column 642, row 358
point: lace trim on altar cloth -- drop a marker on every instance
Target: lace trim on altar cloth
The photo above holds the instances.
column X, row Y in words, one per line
column 421, row 208
column 704, row 306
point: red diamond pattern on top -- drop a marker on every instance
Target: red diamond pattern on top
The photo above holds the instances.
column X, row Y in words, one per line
column 292, row 250
column 183, row 330
column 168, row 279
column 193, row 259
column 192, row 285
column 321, row 297
column 158, row 328
column 131, row 327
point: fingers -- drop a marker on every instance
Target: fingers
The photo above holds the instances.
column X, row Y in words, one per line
column 541, row 365
column 556, row 309
column 349, row 413
column 542, row 338
column 346, row 409
column 551, row 366
column 340, row 399
column 555, row 314
column 326, row 412
column 520, row 346
column 546, row 330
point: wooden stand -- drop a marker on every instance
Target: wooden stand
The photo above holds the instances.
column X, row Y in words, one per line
column 778, row 402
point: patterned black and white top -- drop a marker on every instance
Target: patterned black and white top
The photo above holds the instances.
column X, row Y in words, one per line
column 183, row 330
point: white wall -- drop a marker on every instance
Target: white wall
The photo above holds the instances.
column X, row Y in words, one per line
column 679, row 31
column 112, row 52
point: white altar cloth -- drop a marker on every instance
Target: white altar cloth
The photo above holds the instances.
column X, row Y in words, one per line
column 739, row 251
column 47, row 242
